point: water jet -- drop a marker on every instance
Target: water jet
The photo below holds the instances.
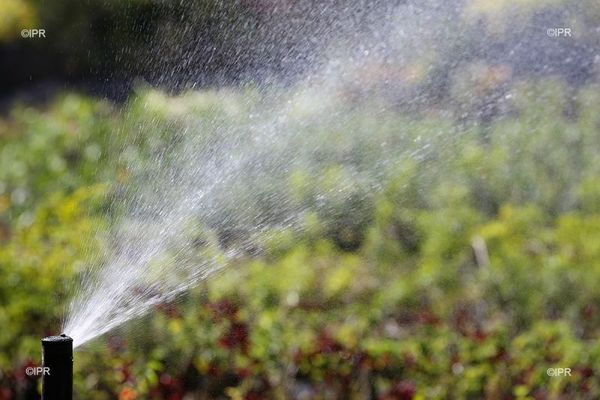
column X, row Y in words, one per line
column 57, row 360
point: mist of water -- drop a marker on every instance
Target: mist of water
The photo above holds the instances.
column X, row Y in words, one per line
column 226, row 162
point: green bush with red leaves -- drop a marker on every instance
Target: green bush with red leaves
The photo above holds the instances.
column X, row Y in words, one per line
column 468, row 275
column 316, row 322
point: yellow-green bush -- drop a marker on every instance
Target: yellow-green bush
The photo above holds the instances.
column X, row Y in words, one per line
column 471, row 272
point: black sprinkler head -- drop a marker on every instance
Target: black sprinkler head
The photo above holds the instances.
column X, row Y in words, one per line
column 57, row 360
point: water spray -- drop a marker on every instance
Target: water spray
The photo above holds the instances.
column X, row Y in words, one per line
column 57, row 359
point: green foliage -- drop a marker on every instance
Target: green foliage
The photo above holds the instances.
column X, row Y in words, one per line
column 14, row 16
column 60, row 148
column 471, row 271
column 38, row 264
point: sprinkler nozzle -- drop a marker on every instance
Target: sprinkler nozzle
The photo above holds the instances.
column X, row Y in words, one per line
column 57, row 360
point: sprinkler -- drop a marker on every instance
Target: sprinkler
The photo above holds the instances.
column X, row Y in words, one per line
column 57, row 360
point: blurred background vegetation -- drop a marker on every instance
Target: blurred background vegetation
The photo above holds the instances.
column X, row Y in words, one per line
column 471, row 271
